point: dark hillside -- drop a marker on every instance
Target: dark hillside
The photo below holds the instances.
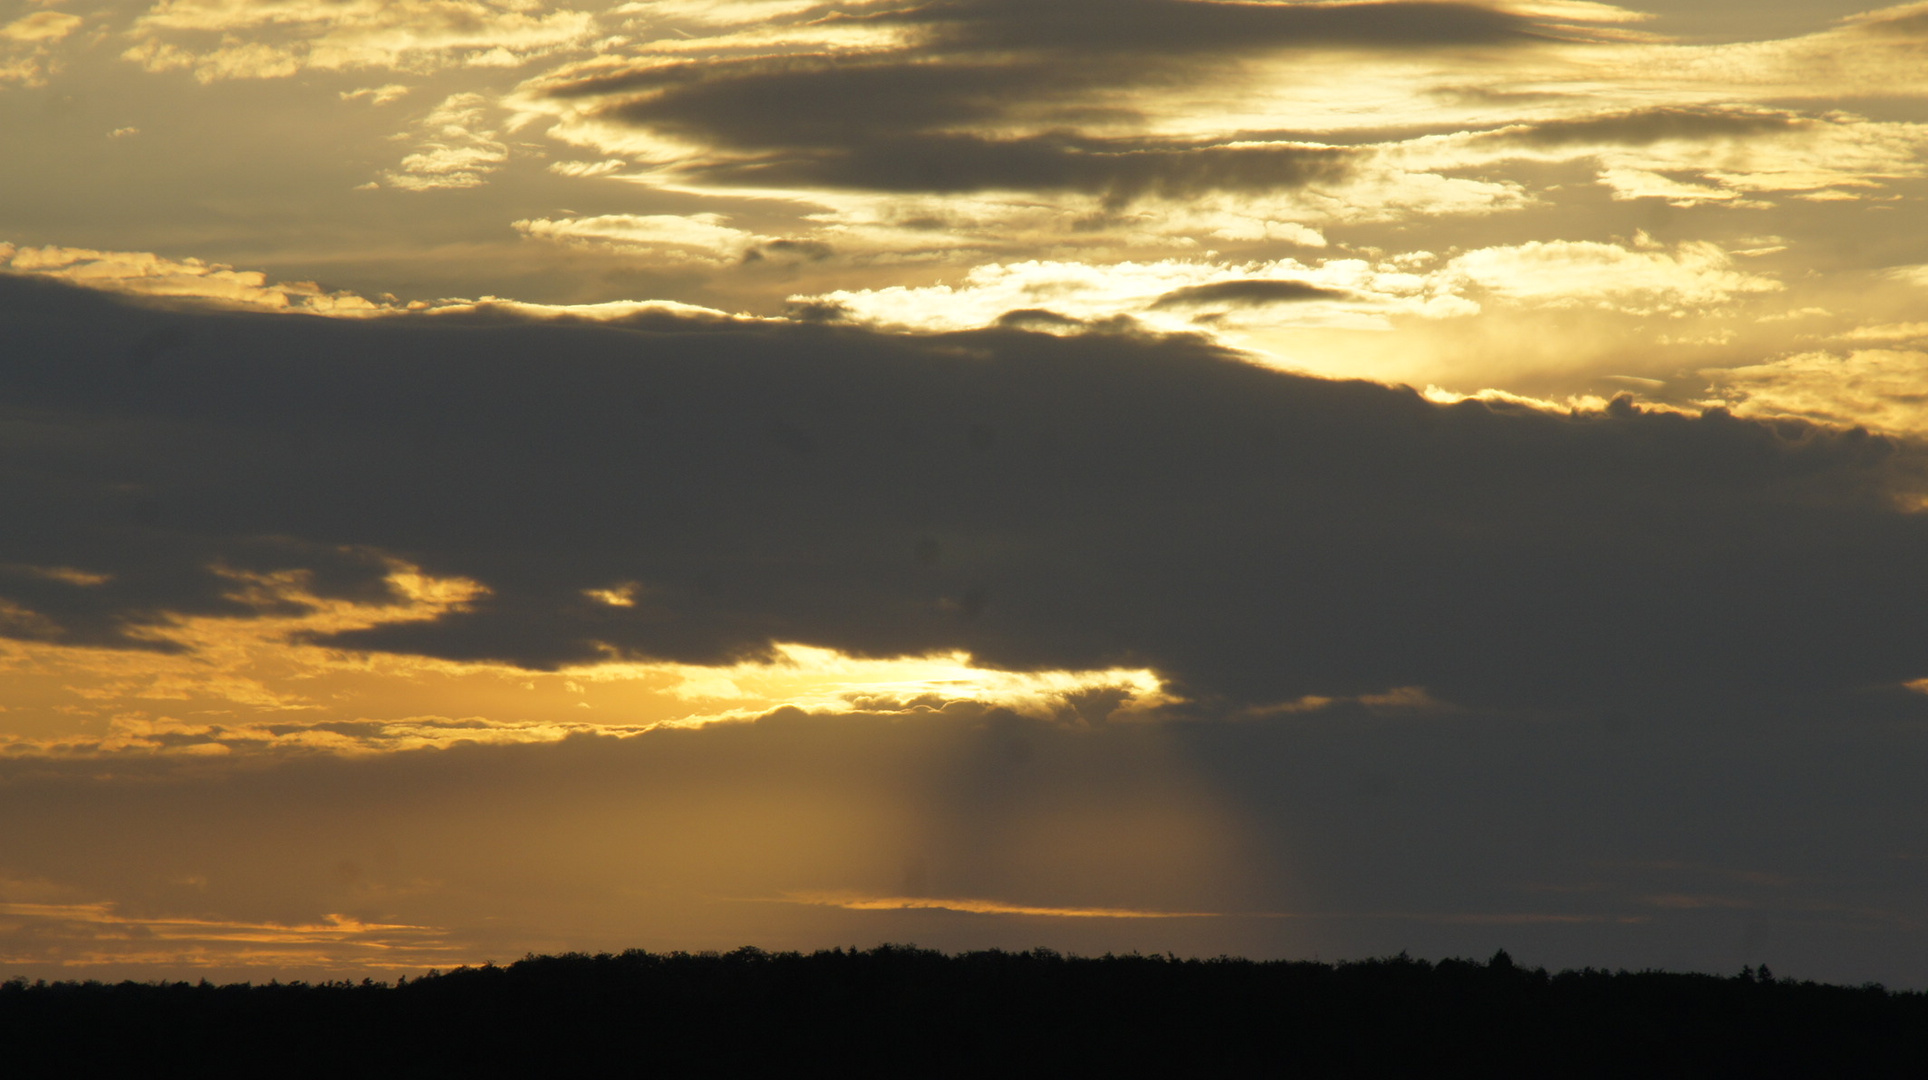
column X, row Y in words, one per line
column 911, row 1012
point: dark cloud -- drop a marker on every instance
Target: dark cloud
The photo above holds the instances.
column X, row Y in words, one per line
column 1041, row 501
column 813, row 100
column 1037, row 319
column 888, row 127
column 1644, row 127
column 1164, row 27
column 1120, row 170
column 789, row 251
column 918, row 119
column 1252, row 292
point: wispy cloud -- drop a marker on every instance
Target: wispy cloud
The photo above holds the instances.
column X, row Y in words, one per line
column 96, row 934
column 854, row 902
column 27, row 45
column 457, row 148
column 233, row 39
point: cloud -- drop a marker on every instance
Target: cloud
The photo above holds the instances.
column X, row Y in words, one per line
column 1190, row 164
column 377, row 95
column 1699, row 153
column 699, row 237
column 1353, row 294
column 147, row 274
column 41, row 26
column 903, row 126
column 1246, row 292
column 1872, row 54
column 1166, row 295
column 1880, row 388
column 1119, row 170
column 1115, row 141
column 983, row 907
column 1140, row 28
column 458, row 149
column 253, row 686
column 985, row 95
column 1645, row 127
column 244, row 39
column 89, row 935
column 1569, row 272
column 26, row 45
column 1097, row 501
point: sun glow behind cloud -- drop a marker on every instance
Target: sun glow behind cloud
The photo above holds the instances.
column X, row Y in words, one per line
column 252, row 685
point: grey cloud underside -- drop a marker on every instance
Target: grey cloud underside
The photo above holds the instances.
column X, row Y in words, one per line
column 1644, row 127
column 884, row 127
column 1252, row 292
column 916, row 119
column 1119, row 170
column 1042, row 502
column 1163, row 27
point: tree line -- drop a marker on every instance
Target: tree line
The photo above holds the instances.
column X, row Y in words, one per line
column 908, row 1011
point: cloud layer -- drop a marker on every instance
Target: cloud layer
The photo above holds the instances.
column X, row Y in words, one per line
column 1040, row 502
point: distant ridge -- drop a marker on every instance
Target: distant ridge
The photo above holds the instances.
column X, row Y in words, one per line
column 905, row 1011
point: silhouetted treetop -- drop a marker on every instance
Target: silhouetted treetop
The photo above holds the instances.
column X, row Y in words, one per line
column 902, row 1009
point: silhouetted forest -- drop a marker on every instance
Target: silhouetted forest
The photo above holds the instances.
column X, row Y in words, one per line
column 913, row 1012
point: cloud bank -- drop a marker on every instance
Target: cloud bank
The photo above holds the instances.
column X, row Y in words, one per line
column 1040, row 502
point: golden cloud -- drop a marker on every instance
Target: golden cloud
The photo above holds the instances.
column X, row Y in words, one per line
column 267, row 39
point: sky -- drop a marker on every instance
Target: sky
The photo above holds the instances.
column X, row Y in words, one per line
column 1280, row 478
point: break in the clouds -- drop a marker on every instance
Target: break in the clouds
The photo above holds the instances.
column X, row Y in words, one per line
column 1272, row 477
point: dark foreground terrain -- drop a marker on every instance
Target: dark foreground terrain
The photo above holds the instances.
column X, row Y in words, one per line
column 910, row 1012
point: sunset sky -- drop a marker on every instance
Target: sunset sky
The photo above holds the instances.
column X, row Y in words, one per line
column 1214, row 476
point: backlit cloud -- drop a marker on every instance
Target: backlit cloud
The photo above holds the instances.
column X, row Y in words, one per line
column 698, row 236
column 1690, row 155
column 147, row 274
column 1343, row 293
column 457, row 148
column 1880, row 388
column 1578, row 272
column 242, row 39
column 26, row 44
